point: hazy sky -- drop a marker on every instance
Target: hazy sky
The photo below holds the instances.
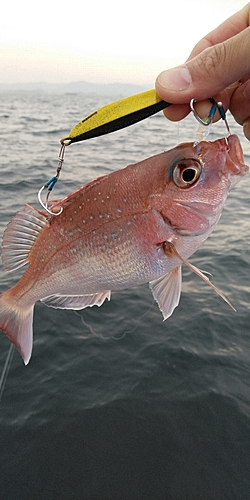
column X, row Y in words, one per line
column 102, row 40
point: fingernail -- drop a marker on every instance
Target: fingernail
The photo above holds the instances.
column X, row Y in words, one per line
column 175, row 79
column 246, row 91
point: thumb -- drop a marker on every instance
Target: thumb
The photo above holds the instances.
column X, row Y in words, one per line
column 208, row 73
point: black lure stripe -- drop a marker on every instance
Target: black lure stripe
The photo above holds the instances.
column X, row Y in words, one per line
column 122, row 122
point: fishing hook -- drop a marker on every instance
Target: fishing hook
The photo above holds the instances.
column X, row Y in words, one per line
column 51, row 182
column 208, row 120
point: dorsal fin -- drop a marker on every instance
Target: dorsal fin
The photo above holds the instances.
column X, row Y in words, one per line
column 19, row 237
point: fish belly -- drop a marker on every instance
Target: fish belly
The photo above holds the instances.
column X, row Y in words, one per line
column 117, row 255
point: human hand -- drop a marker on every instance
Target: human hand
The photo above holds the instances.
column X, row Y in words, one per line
column 219, row 67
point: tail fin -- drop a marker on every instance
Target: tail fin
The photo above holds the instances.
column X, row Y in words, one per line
column 16, row 322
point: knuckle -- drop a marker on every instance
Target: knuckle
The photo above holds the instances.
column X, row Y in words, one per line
column 212, row 61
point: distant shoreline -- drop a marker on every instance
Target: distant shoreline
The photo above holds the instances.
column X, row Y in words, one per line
column 74, row 88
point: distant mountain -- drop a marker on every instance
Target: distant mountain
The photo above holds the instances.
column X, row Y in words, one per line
column 82, row 87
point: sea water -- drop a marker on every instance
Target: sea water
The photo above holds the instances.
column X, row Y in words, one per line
column 116, row 404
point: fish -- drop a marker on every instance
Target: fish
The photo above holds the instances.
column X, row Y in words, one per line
column 135, row 225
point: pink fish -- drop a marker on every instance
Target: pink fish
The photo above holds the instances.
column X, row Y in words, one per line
column 130, row 227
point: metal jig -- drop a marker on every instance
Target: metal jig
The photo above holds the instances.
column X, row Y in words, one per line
column 51, row 182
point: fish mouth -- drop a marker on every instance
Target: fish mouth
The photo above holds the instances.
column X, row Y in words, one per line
column 237, row 165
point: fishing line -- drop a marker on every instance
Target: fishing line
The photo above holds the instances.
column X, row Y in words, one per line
column 100, row 335
column 92, row 331
column 135, row 328
column 6, row 370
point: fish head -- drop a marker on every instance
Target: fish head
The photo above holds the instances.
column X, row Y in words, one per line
column 197, row 181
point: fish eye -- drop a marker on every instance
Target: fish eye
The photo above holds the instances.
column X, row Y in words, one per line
column 186, row 172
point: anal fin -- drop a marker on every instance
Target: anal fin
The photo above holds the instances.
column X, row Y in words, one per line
column 76, row 302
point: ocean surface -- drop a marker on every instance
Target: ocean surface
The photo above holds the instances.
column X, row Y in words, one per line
column 116, row 404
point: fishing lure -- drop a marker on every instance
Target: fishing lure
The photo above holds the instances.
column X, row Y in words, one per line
column 116, row 115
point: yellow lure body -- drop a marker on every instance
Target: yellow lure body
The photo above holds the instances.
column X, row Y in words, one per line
column 116, row 115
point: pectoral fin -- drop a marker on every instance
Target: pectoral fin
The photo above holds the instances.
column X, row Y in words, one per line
column 169, row 249
column 207, row 280
column 167, row 290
